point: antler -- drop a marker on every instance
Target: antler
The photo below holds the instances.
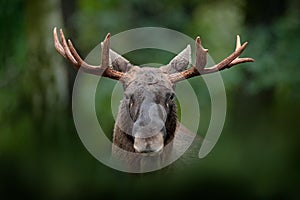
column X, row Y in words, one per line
column 67, row 50
column 198, row 69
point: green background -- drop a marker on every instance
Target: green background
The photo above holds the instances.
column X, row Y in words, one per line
column 257, row 155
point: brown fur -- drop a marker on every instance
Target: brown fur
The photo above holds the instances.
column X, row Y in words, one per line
column 124, row 123
column 144, row 86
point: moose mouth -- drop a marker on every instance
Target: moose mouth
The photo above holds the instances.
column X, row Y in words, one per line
column 149, row 146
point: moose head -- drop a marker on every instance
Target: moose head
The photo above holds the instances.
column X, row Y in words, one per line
column 147, row 117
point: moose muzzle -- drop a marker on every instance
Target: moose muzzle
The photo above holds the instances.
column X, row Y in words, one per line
column 149, row 128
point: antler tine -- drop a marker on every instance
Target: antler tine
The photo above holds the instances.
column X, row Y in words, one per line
column 238, row 43
column 199, row 69
column 75, row 54
column 67, row 50
column 201, row 54
column 57, row 44
column 109, row 72
column 86, row 67
column 224, row 63
column 239, row 60
column 105, row 51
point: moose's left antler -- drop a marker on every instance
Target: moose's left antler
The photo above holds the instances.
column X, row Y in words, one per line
column 198, row 69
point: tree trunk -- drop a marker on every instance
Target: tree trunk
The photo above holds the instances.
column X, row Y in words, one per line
column 48, row 85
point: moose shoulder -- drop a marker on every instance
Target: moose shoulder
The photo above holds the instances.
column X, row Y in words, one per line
column 147, row 131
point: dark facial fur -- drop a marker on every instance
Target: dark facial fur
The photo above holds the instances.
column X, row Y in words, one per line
column 148, row 86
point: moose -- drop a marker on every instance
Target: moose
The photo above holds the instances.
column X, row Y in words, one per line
column 147, row 118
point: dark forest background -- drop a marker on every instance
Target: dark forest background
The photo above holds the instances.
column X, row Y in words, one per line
column 257, row 155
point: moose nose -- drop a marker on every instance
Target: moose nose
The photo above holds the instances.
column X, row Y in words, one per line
column 148, row 130
column 150, row 121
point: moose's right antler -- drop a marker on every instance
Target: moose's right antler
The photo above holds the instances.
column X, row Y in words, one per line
column 198, row 69
column 67, row 50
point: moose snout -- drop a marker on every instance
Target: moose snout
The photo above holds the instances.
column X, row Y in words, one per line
column 149, row 129
column 150, row 145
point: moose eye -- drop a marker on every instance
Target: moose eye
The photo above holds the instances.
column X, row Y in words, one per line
column 170, row 97
column 127, row 96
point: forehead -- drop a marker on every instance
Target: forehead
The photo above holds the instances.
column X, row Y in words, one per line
column 151, row 80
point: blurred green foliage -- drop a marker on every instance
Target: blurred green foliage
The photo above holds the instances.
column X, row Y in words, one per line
column 257, row 156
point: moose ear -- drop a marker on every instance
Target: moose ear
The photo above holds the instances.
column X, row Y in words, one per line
column 118, row 62
column 178, row 63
